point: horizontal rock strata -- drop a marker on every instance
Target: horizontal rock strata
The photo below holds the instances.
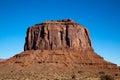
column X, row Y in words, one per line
column 57, row 47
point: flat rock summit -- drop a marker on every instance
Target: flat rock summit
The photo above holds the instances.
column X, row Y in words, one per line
column 58, row 46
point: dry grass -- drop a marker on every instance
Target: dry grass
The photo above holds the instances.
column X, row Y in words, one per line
column 49, row 76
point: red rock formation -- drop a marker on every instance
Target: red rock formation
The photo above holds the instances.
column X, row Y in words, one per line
column 59, row 60
column 62, row 34
column 61, row 45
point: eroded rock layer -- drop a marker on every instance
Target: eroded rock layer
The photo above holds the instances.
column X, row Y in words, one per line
column 58, row 47
column 59, row 34
column 61, row 42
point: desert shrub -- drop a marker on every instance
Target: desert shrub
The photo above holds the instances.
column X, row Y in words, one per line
column 116, row 74
column 106, row 77
column 11, row 71
column 101, row 73
column 73, row 76
column 80, row 72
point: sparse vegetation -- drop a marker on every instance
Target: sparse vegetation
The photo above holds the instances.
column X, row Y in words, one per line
column 73, row 76
column 101, row 73
column 116, row 74
column 106, row 77
column 23, row 75
column 80, row 72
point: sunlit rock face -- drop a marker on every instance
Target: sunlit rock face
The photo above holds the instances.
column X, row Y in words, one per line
column 59, row 34
column 58, row 46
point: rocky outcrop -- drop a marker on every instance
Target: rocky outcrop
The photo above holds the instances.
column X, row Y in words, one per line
column 62, row 42
column 61, row 34
column 84, row 62
column 57, row 47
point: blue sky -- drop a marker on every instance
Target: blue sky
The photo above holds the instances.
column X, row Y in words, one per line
column 101, row 17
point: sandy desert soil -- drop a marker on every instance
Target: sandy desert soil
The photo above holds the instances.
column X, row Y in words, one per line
column 21, row 75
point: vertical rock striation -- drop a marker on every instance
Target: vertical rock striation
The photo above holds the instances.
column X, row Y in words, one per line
column 60, row 34
column 61, row 45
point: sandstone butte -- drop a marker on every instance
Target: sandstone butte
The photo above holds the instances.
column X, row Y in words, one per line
column 56, row 46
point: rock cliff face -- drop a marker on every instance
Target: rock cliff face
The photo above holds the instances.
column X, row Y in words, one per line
column 58, row 46
column 54, row 35
column 61, row 42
